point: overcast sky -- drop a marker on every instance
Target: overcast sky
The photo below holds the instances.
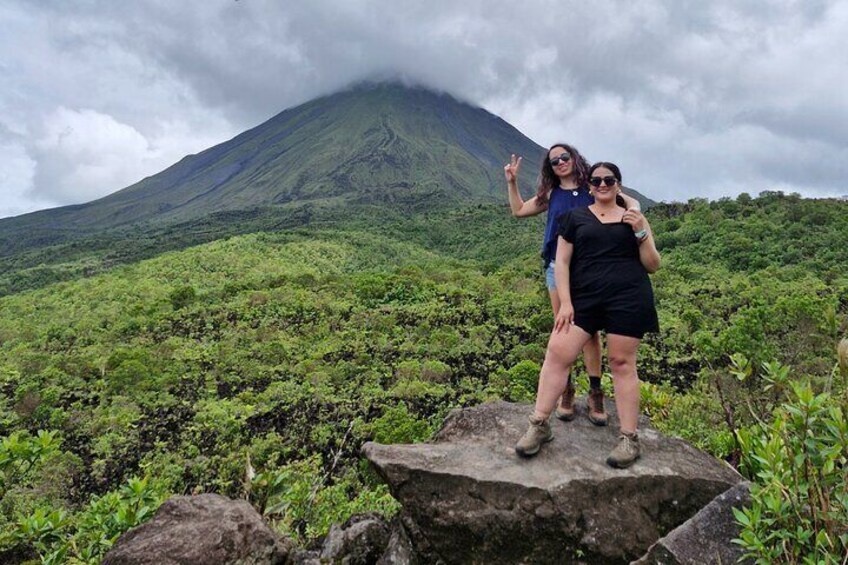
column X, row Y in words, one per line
column 690, row 98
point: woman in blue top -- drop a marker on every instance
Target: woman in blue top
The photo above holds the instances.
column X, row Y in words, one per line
column 563, row 186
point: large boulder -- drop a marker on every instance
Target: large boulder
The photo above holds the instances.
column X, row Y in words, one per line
column 468, row 498
column 202, row 529
column 706, row 537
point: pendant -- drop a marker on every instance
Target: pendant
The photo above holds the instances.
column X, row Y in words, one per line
column 575, row 193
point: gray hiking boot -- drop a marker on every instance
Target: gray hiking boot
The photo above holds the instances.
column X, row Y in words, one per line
column 538, row 433
column 565, row 408
column 626, row 452
column 595, row 407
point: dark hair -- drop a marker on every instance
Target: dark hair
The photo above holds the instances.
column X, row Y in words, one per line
column 616, row 172
column 607, row 165
column 548, row 180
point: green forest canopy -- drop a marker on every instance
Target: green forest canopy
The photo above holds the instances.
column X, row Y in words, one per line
column 293, row 347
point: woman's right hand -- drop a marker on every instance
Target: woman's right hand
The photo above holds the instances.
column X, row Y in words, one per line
column 564, row 318
column 511, row 169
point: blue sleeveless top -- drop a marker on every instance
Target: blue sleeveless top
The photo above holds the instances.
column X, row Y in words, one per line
column 561, row 201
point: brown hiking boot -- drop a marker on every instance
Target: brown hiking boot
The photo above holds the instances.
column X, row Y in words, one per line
column 626, row 452
column 537, row 434
column 595, row 407
column 565, row 408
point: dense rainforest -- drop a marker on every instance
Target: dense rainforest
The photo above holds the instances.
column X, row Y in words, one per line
column 254, row 358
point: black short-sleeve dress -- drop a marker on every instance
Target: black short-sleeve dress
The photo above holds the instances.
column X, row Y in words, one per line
column 610, row 289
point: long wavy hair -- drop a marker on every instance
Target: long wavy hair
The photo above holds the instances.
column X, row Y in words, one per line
column 548, row 180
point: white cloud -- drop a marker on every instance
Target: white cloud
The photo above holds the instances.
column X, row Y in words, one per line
column 15, row 179
column 82, row 155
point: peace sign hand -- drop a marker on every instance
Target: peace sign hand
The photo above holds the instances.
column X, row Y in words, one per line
column 511, row 169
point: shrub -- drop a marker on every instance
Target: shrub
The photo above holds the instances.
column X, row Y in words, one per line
column 104, row 520
column 182, row 296
column 695, row 417
column 300, row 503
column 435, row 371
column 57, row 538
column 523, row 381
column 397, row 425
column 799, row 510
column 21, row 455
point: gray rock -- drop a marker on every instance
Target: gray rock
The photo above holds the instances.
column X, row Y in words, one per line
column 305, row 557
column 399, row 550
column 202, row 529
column 468, row 498
column 706, row 536
column 359, row 541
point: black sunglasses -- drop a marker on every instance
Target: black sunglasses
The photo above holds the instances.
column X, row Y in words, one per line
column 564, row 158
column 609, row 181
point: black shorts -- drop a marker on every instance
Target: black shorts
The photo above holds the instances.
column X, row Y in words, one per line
column 629, row 313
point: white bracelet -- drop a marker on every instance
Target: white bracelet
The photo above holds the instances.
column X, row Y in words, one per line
column 641, row 234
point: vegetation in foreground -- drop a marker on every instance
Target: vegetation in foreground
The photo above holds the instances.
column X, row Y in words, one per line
column 280, row 353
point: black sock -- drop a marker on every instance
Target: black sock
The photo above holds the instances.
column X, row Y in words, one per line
column 594, row 382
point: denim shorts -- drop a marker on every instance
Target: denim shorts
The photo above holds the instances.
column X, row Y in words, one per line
column 550, row 282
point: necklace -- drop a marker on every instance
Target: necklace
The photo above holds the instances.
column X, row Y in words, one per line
column 601, row 214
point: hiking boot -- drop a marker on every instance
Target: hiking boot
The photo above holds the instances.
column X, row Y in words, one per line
column 538, row 433
column 595, row 407
column 565, row 408
column 626, row 452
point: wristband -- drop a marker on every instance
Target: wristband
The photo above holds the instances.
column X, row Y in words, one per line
column 641, row 234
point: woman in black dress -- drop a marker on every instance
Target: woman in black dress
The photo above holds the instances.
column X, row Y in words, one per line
column 604, row 255
column 563, row 186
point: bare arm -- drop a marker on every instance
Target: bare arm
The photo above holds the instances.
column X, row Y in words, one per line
column 562, row 276
column 520, row 208
column 648, row 254
column 630, row 203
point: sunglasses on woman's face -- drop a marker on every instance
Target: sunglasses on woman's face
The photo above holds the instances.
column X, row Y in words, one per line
column 564, row 158
column 596, row 181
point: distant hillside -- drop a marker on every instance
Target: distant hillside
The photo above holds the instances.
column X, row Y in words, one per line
column 385, row 145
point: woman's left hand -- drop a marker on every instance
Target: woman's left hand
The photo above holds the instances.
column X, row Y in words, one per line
column 636, row 220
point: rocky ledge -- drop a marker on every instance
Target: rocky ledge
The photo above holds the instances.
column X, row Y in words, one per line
column 468, row 498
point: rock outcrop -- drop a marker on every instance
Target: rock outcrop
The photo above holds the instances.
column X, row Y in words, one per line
column 207, row 528
column 364, row 539
column 359, row 541
column 468, row 498
column 706, row 537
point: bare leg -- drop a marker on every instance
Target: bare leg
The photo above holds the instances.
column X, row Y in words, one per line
column 622, row 360
column 563, row 349
column 592, row 349
column 555, row 306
